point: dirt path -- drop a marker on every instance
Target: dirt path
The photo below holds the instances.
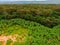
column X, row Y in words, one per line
column 13, row 38
column 5, row 38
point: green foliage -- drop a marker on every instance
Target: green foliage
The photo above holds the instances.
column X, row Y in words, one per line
column 42, row 14
column 37, row 34
column 9, row 42
column 34, row 20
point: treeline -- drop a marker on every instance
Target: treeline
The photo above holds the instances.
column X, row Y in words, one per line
column 48, row 15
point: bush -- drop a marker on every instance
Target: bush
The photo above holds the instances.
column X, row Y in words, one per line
column 37, row 13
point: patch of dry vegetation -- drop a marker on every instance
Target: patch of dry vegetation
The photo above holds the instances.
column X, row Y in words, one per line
column 13, row 38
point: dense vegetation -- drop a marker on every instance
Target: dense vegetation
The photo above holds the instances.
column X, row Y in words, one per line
column 37, row 34
column 48, row 15
column 38, row 24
